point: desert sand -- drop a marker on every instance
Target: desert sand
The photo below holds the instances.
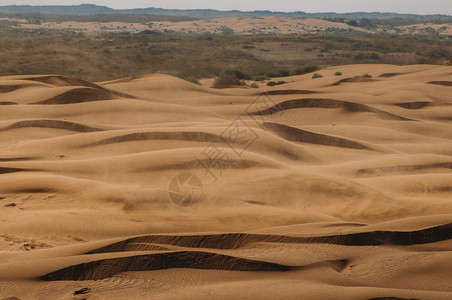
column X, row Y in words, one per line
column 274, row 25
column 332, row 188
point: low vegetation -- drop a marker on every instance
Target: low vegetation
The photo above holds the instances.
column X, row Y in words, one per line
column 106, row 56
column 367, row 75
column 229, row 78
column 317, row 75
column 273, row 83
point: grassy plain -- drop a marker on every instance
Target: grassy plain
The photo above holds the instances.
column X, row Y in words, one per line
column 105, row 56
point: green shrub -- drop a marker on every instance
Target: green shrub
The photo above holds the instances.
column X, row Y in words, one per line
column 338, row 74
column 375, row 56
column 310, row 69
column 363, row 76
column 225, row 30
column 297, row 71
column 304, row 70
column 238, row 74
column 273, row 83
column 261, row 77
column 425, row 61
column 227, row 80
column 317, row 75
column 279, row 73
column 190, row 79
column 360, row 56
column 274, row 74
column 254, row 85
column 284, row 72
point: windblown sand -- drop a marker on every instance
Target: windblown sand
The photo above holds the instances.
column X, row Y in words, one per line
column 330, row 188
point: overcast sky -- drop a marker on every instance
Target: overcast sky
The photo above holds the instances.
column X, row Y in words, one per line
column 401, row 6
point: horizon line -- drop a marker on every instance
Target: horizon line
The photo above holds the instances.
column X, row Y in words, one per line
column 234, row 10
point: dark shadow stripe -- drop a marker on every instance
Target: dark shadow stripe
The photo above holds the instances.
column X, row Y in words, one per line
column 4, row 170
column 6, row 159
column 144, row 136
column 443, row 83
column 389, row 75
column 353, row 79
column 413, row 105
column 303, row 136
column 392, row 169
column 328, row 103
column 238, row 240
column 56, row 124
column 101, row 269
column 80, row 95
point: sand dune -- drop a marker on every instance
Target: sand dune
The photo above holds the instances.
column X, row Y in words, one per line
column 153, row 187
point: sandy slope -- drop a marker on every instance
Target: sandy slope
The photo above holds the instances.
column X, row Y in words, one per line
column 338, row 187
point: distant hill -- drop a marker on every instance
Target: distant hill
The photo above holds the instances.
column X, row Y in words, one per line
column 214, row 14
column 83, row 9
column 34, row 17
column 88, row 9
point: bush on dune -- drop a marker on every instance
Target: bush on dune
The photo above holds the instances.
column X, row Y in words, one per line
column 190, row 79
column 304, row 70
column 317, row 75
column 261, row 77
column 227, row 79
column 273, row 83
column 291, row 72
column 238, row 74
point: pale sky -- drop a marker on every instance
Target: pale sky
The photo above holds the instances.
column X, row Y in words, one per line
column 400, row 6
